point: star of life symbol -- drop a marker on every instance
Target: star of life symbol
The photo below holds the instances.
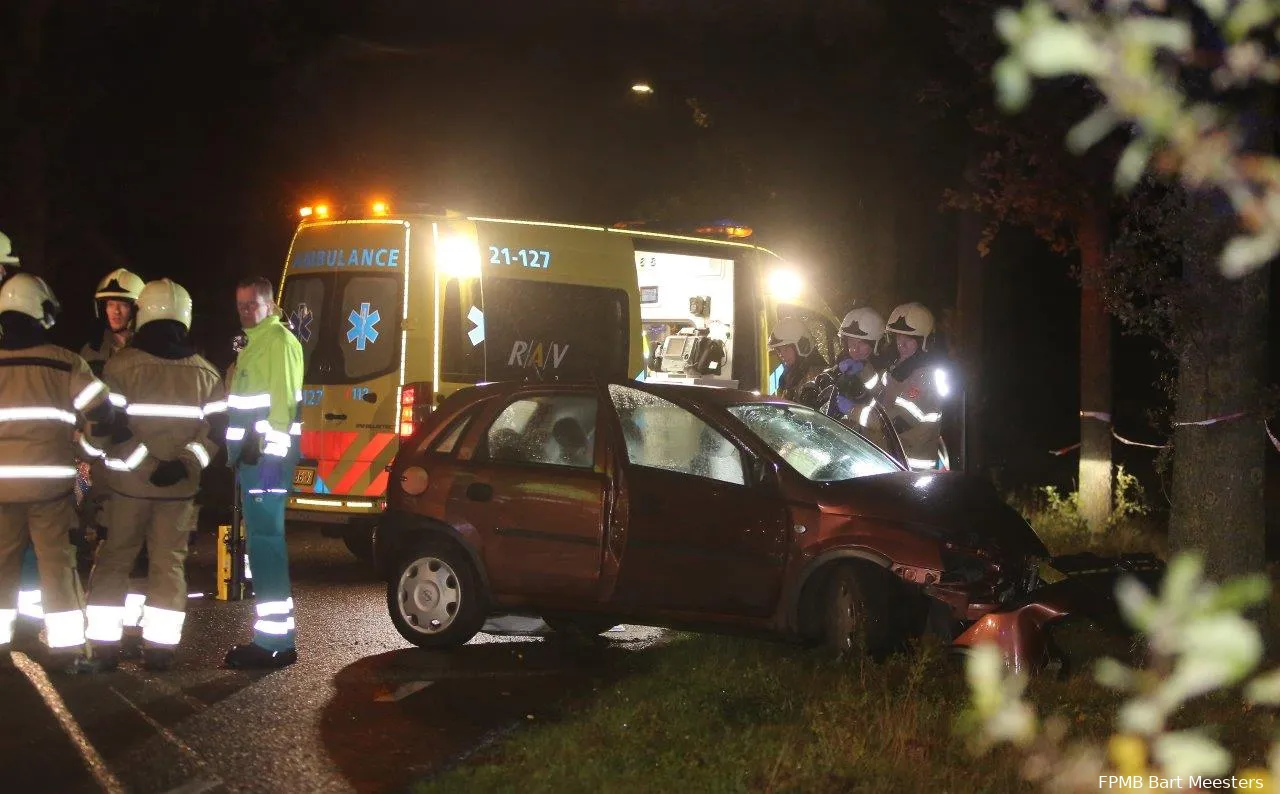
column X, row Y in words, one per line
column 364, row 326
column 301, row 319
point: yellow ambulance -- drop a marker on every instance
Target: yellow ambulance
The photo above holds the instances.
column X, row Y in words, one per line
column 396, row 311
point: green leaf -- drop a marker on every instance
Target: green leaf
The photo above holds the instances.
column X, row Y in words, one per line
column 1141, row 716
column 1013, row 84
column 1188, row 753
column 1091, row 129
column 1132, row 164
column 1246, row 16
column 1167, row 34
column 1010, row 26
column 1181, row 580
column 1265, row 689
column 1246, row 253
column 1057, row 49
column 1136, row 604
column 1114, row 675
column 1241, row 593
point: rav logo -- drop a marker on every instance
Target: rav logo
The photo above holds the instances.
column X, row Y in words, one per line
column 536, row 355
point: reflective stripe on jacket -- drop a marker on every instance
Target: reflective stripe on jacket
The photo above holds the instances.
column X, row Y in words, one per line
column 913, row 397
column 44, row 392
column 170, row 404
column 266, row 391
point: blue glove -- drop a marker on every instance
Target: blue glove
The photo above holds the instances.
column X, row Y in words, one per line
column 271, row 473
column 848, row 365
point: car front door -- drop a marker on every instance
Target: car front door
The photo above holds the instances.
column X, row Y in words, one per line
column 537, row 493
column 700, row 537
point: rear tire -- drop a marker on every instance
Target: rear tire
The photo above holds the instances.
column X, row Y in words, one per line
column 855, row 612
column 435, row 597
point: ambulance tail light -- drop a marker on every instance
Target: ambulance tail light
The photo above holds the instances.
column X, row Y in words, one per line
column 415, row 404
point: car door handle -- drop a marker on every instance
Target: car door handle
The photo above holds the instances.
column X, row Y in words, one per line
column 479, row 491
column 335, row 417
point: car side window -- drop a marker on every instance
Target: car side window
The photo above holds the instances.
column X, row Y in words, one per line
column 662, row 435
column 448, row 441
column 556, row 430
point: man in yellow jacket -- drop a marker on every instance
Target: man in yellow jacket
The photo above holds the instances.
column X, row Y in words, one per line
column 171, row 396
column 263, row 430
column 44, row 390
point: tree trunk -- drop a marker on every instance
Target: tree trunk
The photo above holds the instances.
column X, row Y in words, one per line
column 1218, row 469
column 1095, row 377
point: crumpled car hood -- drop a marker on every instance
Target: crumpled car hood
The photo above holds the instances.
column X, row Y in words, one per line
column 960, row 508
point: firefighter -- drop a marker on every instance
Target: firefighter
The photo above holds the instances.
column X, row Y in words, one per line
column 854, row 380
column 263, row 411
column 43, row 392
column 801, row 361
column 114, row 306
column 170, row 394
column 30, row 614
column 916, row 387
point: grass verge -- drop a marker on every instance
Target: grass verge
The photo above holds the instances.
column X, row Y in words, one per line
column 719, row 714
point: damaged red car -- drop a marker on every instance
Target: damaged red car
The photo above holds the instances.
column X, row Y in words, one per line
column 682, row 506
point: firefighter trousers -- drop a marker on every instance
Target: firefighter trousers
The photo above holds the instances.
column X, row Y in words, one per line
column 47, row 527
column 29, row 586
column 268, row 559
column 162, row 524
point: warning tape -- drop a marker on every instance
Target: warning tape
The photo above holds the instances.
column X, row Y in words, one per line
column 1106, row 417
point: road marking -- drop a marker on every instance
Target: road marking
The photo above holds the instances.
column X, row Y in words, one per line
column 170, row 737
column 402, row 692
column 92, row 759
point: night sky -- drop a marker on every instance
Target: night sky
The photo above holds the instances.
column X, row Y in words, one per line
column 180, row 139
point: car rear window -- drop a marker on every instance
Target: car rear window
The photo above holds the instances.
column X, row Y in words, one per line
column 557, row 430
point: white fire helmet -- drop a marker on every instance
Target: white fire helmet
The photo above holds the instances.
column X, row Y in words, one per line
column 912, row 319
column 119, row 284
column 790, row 331
column 29, row 295
column 6, row 252
column 164, row 300
column 863, row 323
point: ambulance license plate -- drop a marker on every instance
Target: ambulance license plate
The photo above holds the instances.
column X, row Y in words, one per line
column 304, row 477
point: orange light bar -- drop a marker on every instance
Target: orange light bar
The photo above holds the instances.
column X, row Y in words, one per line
column 322, row 210
column 727, row 231
column 305, row 212
column 381, row 208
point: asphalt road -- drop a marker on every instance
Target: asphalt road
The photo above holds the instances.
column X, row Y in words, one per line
column 362, row 710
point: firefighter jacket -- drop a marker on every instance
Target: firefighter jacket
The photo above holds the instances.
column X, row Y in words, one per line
column 913, row 396
column 806, row 369
column 171, row 404
column 97, row 354
column 264, row 402
column 44, row 391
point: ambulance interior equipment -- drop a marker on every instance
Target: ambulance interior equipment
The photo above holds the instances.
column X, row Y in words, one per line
column 687, row 309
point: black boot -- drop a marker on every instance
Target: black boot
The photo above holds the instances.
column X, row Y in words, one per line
column 131, row 643
column 252, row 656
column 103, row 657
column 158, row 658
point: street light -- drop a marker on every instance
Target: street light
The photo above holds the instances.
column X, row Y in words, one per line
column 641, row 89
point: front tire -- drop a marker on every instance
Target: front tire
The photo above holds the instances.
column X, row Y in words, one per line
column 855, row 612
column 435, row 597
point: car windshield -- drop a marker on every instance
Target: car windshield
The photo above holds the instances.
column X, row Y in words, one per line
column 817, row 446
